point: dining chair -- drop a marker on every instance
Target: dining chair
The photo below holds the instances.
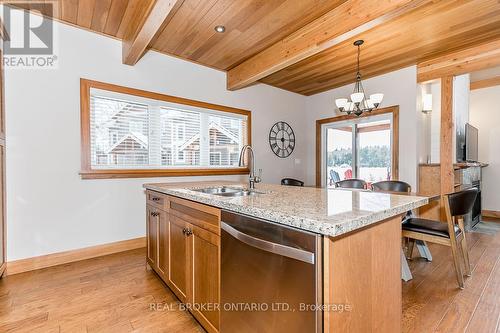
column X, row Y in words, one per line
column 352, row 183
column 291, row 182
column 451, row 233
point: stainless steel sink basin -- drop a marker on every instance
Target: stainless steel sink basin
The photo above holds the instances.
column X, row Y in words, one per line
column 218, row 190
column 227, row 191
column 240, row 193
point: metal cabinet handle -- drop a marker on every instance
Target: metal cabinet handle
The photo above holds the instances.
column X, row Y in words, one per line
column 154, row 214
column 155, row 199
column 187, row 231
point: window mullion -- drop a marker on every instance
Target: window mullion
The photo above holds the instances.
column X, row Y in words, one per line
column 204, row 140
column 154, row 139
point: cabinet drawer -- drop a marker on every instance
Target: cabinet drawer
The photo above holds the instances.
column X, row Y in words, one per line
column 157, row 200
column 203, row 216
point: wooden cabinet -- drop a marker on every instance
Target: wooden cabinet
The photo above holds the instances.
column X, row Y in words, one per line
column 179, row 258
column 184, row 249
column 152, row 235
column 157, row 230
column 206, row 276
column 163, row 243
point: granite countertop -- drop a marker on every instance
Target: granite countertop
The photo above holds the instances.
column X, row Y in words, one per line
column 331, row 212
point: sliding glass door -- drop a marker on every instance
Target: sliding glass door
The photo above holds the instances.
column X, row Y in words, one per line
column 358, row 148
column 340, row 163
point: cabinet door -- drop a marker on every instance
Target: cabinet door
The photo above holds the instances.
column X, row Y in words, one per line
column 205, row 276
column 179, row 257
column 163, row 240
column 152, row 218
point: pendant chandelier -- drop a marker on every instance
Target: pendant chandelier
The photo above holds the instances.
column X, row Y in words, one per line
column 359, row 103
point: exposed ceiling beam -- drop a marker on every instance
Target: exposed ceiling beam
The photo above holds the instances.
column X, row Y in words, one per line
column 349, row 19
column 138, row 39
column 472, row 59
column 486, row 83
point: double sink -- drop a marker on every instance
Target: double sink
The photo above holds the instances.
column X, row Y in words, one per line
column 227, row 191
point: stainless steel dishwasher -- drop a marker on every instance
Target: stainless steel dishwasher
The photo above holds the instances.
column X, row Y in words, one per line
column 271, row 277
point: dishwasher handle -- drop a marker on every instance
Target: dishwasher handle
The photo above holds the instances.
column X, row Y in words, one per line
column 279, row 249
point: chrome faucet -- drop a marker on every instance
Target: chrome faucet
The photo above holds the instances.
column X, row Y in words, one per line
column 252, row 179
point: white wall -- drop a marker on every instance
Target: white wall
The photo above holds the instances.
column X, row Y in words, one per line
column 485, row 115
column 400, row 88
column 49, row 208
column 435, row 119
column 461, row 93
column 461, row 90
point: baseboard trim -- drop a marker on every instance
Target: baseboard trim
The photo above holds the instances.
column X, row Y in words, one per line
column 491, row 213
column 54, row 259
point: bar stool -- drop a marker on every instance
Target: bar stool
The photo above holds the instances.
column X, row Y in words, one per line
column 352, row 183
column 451, row 233
column 292, row 182
column 391, row 186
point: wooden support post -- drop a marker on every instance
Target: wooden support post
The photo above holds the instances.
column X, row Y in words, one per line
column 446, row 145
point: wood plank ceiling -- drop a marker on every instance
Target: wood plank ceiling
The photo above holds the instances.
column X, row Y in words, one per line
column 429, row 29
column 426, row 32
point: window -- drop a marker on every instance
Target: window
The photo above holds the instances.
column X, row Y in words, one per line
column 133, row 133
column 215, row 158
column 364, row 147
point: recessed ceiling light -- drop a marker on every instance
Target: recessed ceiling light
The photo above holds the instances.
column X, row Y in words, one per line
column 220, row 28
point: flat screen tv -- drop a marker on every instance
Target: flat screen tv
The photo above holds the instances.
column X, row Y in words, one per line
column 471, row 143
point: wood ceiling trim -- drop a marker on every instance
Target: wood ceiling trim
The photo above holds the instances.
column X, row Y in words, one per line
column 469, row 60
column 486, row 83
column 136, row 42
column 345, row 21
column 439, row 28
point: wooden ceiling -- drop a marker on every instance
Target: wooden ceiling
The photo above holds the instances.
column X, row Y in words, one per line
column 303, row 46
column 426, row 32
column 110, row 17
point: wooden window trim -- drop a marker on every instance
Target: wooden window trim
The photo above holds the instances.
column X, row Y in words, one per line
column 87, row 172
column 395, row 134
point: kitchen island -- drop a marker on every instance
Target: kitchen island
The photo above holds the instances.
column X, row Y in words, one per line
column 356, row 252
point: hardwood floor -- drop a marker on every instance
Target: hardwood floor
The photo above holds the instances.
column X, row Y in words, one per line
column 432, row 301
column 115, row 293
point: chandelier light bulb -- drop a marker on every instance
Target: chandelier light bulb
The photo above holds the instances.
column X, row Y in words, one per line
column 349, row 106
column 341, row 102
column 376, row 99
column 370, row 104
column 357, row 97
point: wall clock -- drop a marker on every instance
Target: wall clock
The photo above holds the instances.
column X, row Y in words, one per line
column 282, row 139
